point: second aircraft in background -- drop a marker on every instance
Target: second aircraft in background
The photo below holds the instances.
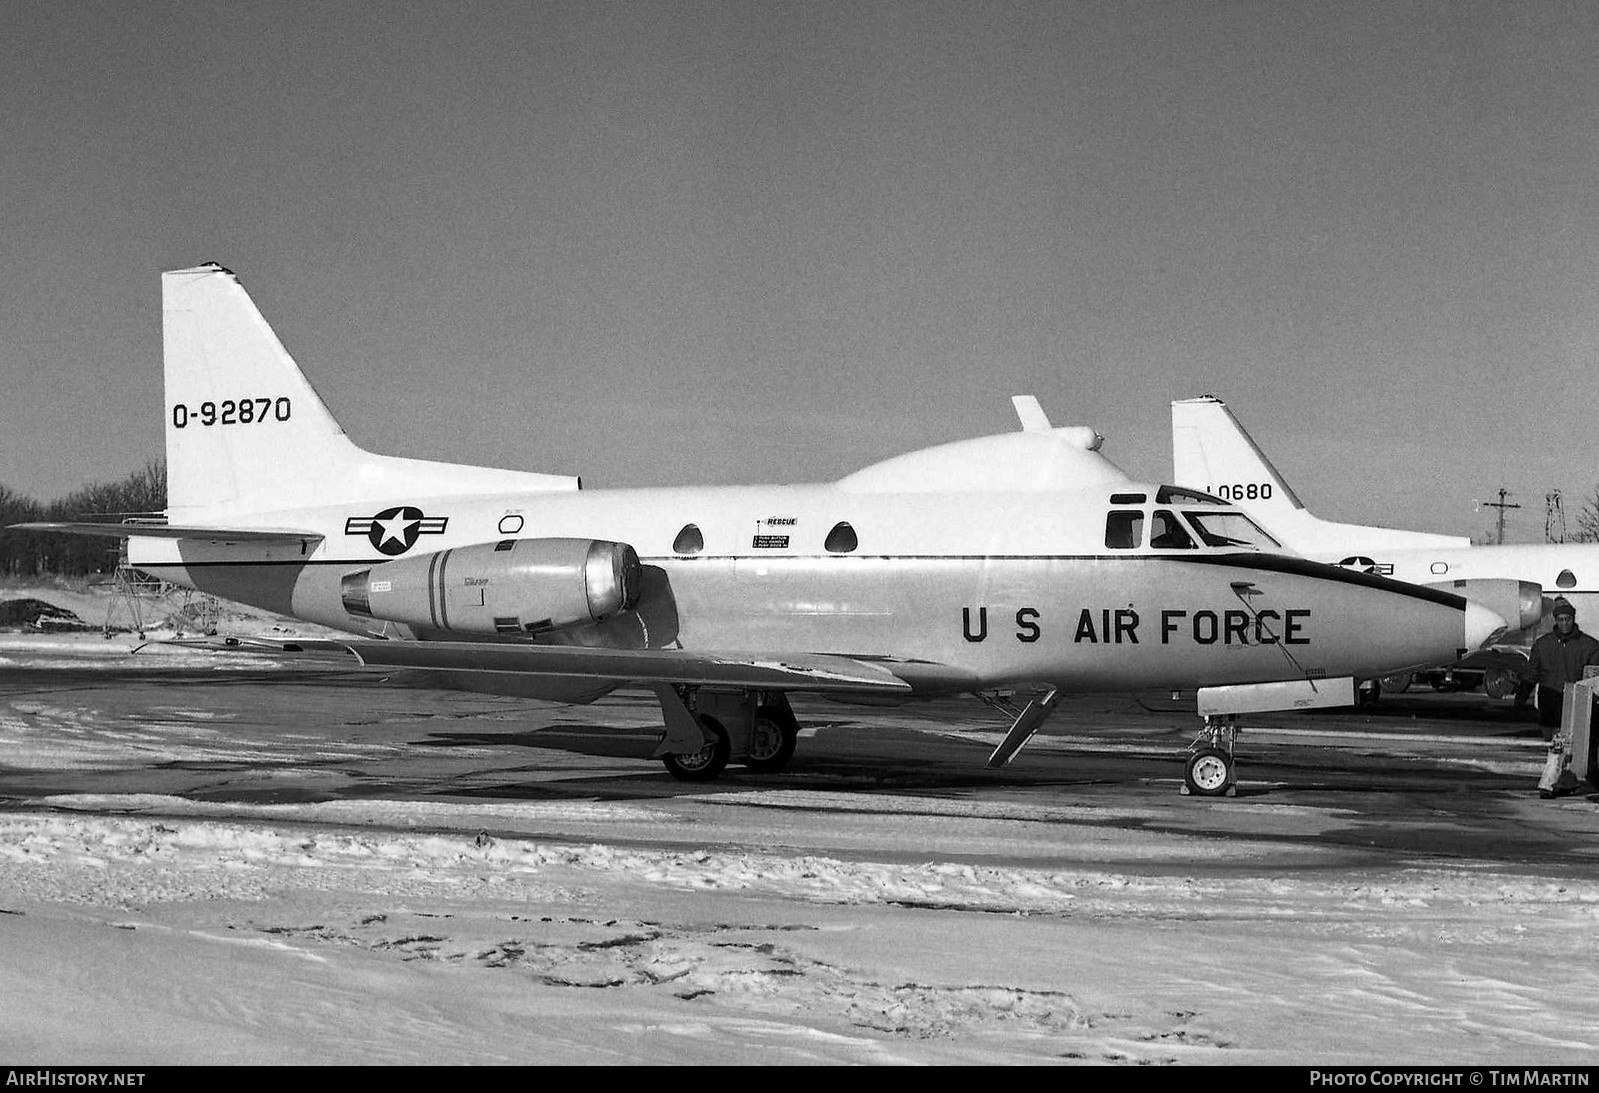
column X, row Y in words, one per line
column 1211, row 451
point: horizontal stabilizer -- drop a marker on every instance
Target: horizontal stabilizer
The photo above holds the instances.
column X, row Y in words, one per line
column 174, row 531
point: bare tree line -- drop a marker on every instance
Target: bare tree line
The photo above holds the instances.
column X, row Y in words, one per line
column 1588, row 520
column 38, row 554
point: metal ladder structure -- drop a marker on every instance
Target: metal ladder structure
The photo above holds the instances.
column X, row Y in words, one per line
column 137, row 596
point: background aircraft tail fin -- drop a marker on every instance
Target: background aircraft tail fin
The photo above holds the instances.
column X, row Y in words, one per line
column 1212, row 452
column 246, row 434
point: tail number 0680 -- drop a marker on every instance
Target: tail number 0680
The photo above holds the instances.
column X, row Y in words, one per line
column 1241, row 491
column 244, row 411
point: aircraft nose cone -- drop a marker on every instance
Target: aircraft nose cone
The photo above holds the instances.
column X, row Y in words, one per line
column 1482, row 625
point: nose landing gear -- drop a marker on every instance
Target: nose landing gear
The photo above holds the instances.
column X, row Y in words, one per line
column 1211, row 770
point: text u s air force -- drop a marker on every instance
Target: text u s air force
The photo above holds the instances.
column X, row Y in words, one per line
column 1117, row 626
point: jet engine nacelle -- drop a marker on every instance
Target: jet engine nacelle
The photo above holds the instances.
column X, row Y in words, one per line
column 1520, row 603
column 515, row 586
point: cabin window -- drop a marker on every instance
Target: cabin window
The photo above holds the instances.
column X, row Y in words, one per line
column 689, row 540
column 1124, row 530
column 841, row 540
column 1176, row 495
column 1567, row 579
column 1166, row 532
column 1127, row 498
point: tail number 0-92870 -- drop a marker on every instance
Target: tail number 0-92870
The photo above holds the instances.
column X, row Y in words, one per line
column 244, row 411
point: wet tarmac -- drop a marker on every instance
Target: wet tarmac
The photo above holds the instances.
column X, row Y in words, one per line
column 1433, row 777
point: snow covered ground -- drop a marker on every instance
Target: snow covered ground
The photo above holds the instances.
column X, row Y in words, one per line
column 771, row 925
column 318, row 934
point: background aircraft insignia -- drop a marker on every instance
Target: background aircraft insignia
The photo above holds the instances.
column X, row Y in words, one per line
column 1366, row 565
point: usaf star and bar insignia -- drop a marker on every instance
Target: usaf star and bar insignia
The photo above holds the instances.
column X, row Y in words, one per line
column 395, row 531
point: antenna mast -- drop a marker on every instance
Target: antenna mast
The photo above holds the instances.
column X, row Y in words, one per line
column 1501, row 505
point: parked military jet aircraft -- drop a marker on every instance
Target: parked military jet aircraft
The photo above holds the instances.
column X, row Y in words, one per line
column 1211, row 451
column 1025, row 561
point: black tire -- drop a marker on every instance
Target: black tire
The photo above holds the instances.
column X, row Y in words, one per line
column 705, row 765
column 1396, row 684
column 1208, row 773
column 1500, row 683
column 772, row 740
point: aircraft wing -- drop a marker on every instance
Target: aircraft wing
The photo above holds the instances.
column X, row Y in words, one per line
column 813, row 672
column 799, row 672
column 173, row 531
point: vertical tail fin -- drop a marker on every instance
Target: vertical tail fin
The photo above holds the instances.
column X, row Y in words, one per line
column 242, row 421
column 247, row 434
column 1212, row 452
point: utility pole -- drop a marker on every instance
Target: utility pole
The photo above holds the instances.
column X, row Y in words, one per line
column 1501, row 505
column 1554, row 518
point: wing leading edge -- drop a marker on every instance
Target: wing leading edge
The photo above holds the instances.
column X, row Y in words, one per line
column 812, row 672
column 806, row 672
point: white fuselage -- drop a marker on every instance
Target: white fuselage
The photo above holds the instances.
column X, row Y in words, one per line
column 997, row 588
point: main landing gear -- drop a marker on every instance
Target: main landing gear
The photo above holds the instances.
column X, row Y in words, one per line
column 1211, row 770
column 772, row 736
column 706, row 764
column 706, row 729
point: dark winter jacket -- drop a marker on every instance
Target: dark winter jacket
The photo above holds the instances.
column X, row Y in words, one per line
column 1557, row 661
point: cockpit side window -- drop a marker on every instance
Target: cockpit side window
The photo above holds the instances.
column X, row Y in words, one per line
column 1124, row 530
column 1166, row 532
column 1176, row 495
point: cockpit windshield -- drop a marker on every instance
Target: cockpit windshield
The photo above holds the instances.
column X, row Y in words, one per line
column 1180, row 519
column 1167, row 533
column 1230, row 529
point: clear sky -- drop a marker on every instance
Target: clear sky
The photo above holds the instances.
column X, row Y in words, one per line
column 748, row 242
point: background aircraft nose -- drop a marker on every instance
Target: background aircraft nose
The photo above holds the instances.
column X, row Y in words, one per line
column 1482, row 625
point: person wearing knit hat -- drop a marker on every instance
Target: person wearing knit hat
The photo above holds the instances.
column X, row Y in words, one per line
column 1557, row 659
